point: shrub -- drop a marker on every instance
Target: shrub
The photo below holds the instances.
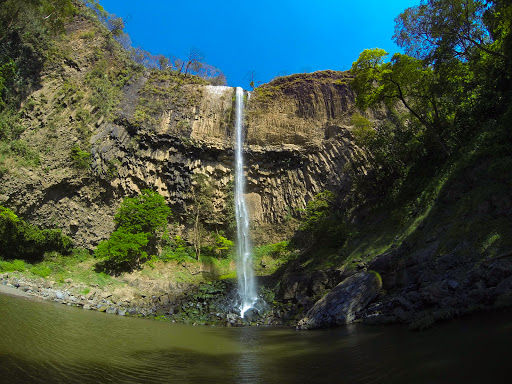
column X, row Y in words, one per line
column 321, row 223
column 275, row 251
column 123, row 250
column 80, row 254
column 80, row 159
column 20, row 239
column 41, row 270
column 10, row 266
column 140, row 221
column 219, row 246
column 146, row 212
column 178, row 250
column 10, row 125
column 21, row 148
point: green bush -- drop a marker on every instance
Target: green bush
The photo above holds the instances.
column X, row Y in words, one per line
column 140, row 222
column 104, row 91
column 178, row 250
column 20, row 148
column 41, row 270
column 10, row 125
column 217, row 246
column 321, row 224
column 146, row 212
column 123, row 250
column 275, row 251
column 11, row 266
column 80, row 254
column 22, row 240
column 222, row 245
column 80, row 159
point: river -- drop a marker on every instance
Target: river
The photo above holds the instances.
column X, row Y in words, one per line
column 43, row 342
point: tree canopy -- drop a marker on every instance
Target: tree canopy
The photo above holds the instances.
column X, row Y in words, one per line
column 140, row 221
column 146, row 212
column 404, row 79
column 455, row 75
column 440, row 29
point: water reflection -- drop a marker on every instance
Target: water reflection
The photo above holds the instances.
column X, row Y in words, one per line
column 248, row 367
column 42, row 342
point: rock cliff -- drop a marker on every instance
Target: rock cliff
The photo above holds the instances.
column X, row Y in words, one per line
column 298, row 143
column 161, row 129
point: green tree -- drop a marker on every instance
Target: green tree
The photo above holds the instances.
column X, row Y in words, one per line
column 146, row 212
column 123, row 250
column 140, row 222
column 406, row 80
column 201, row 211
column 321, row 223
column 21, row 240
column 115, row 25
column 7, row 72
column 469, row 45
column 440, row 29
column 392, row 147
column 317, row 210
column 222, row 245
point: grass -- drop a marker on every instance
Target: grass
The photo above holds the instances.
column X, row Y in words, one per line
column 14, row 265
column 78, row 267
column 268, row 258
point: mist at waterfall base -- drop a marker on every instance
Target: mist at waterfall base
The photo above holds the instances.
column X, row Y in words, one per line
column 246, row 283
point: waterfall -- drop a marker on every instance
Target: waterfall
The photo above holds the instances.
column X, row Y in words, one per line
column 246, row 286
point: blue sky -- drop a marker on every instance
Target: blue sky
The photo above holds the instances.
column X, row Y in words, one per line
column 268, row 37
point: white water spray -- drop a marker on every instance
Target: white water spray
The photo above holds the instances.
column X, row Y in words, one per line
column 246, row 286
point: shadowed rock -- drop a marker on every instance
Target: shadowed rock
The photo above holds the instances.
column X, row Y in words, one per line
column 340, row 306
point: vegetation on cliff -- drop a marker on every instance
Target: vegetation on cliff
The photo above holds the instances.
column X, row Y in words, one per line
column 435, row 204
column 19, row 239
column 141, row 221
column 434, row 170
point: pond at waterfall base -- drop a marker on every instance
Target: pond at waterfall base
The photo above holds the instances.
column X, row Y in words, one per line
column 43, row 342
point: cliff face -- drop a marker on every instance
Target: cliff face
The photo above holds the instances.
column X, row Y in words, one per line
column 297, row 143
column 160, row 129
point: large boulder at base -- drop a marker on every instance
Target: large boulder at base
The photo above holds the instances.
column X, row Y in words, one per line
column 340, row 306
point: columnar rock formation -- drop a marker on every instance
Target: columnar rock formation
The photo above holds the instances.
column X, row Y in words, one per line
column 164, row 131
column 298, row 142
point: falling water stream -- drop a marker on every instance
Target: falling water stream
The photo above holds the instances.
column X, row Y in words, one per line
column 246, row 285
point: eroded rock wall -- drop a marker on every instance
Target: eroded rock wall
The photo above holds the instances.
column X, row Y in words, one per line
column 166, row 129
column 298, row 143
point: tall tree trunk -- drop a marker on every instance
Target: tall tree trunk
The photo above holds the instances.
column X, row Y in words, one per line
column 197, row 242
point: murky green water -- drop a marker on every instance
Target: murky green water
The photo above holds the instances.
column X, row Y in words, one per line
column 43, row 342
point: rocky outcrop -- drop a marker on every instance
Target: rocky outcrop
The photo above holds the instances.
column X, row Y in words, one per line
column 343, row 302
column 301, row 109
column 182, row 138
column 213, row 303
column 422, row 289
column 165, row 129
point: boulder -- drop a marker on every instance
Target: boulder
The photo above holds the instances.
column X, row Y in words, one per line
column 61, row 295
column 504, row 287
column 251, row 315
column 340, row 306
column 111, row 310
column 433, row 293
